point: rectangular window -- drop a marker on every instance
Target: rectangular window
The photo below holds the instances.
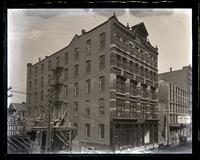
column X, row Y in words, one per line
column 102, row 41
column 57, row 61
column 88, row 47
column 36, row 84
column 75, row 109
column 124, row 63
column 132, row 110
column 30, row 84
column 102, row 62
column 143, row 110
column 36, row 71
column 119, row 61
column 120, row 108
column 87, row 130
column 65, row 90
column 76, row 106
column 42, row 81
column 29, row 98
column 133, row 88
column 101, row 83
column 76, row 71
column 76, row 53
column 66, row 74
column 120, row 84
column 49, row 65
column 88, row 86
column 113, row 59
column 101, row 132
column 30, row 73
column 42, row 68
column 87, row 109
column 101, row 107
column 66, row 58
column 35, row 98
column 76, row 89
column 42, row 95
column 131, row 69
column 88, row 67
column 49, row 78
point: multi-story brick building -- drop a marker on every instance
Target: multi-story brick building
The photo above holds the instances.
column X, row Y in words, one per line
column 182, row 78
column 107, row 78
column 173, row 103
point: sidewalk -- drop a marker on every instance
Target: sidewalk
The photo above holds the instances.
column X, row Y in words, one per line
column 139, row 150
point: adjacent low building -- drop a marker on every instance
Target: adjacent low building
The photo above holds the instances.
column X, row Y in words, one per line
column 173, row 106
column 183, row 79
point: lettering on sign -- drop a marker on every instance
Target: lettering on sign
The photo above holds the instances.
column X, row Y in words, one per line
column 184, row 119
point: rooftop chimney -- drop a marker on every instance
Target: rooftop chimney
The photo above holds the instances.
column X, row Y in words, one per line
column 170, row 69
column 39, row 59
column 83, row 31
column 46, row 56
column 127, row 25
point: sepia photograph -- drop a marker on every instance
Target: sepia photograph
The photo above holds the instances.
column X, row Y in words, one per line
column 99, row 81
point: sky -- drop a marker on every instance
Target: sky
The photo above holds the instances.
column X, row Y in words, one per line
column 36, row 33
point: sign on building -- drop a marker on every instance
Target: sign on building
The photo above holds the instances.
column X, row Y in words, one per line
column 15, row 128
column 184, row 119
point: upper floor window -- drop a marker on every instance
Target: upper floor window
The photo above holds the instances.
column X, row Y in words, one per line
column 30, row 73
column 132, row 110
column 36, row 83
column 42, row 68
column 76, row 89
column 57, row 61
column 49, row 65
column 42, row 95
column 30, row 84
column 87, row 109
column 102, row 62
column 88, row 47
column 76, row 53
column 101, row 83
column 119, row 61
column 42, row 81
column 88, row 86
column 124, row 63
column 75, row 109
column 102, row 40
column 65, row 90
column 143, row 110
column 101, row 107
column 120, row 84
column 35, row 98
column 88, row 66
column 133, row 88
column 66, row 58
column 76, row 71
column 66, row 74
column 120, row 108
column 36, row 69
column 49, row 78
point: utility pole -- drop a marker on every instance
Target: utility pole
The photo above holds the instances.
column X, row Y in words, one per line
column 167, row 109
column 48, row 138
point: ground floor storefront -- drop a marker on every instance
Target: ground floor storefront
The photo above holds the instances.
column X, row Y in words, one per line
column 133, row 133
column 175, row 133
